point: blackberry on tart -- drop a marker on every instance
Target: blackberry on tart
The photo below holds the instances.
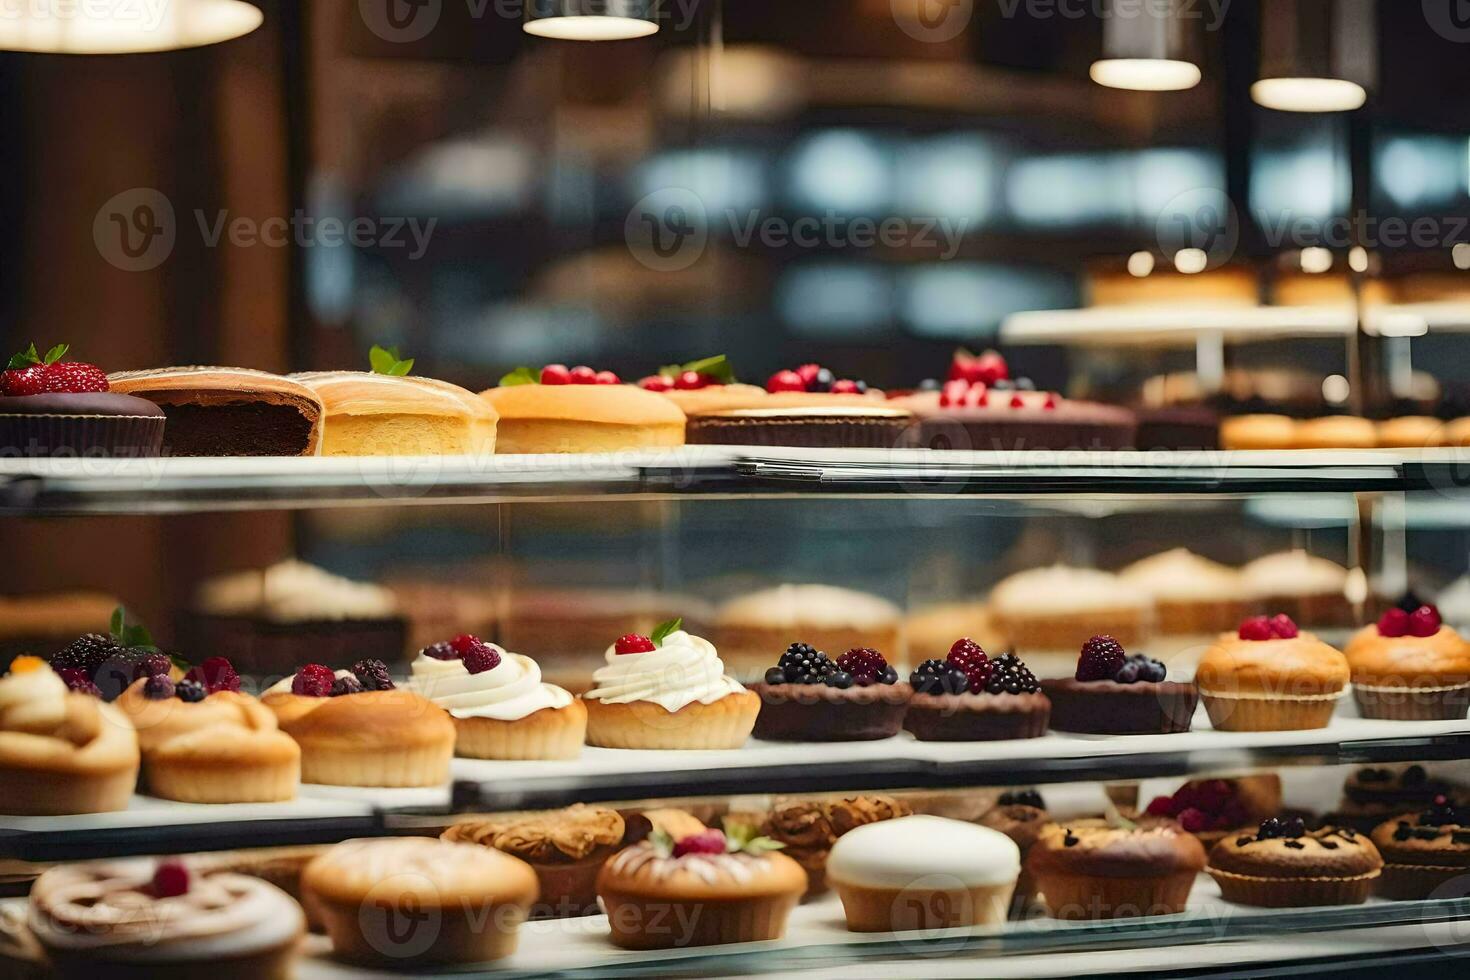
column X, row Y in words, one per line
column 1113, row 693
column 809, row 697
column 970, row 697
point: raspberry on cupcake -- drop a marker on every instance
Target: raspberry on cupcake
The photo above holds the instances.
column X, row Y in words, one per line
column 969, row 696
column 1410, row 666
column 808, row 697
column 1115, row 694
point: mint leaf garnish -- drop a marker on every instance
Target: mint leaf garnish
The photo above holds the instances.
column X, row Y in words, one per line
column 26, row 358
column 132, row 637
column 663, row 842
column 717, row 367
column 520, row 376
column 743, row 838
column 387, row 360
column 56, row 353
column 664, row 629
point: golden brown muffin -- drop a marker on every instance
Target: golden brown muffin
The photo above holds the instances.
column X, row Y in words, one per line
column 1271, row 684
column 1281, row 865
column 1089, row 869
column 1412, row 432
column 583, row 419
column 385, row 415
column 469, row 901
column 1335, row 432
column 1410, row 678
column 223, row 411
column 1426, row 854
column 1252, row 432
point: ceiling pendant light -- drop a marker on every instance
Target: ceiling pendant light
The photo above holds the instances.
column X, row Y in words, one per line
column 1146, row 48
column 123, row 28
column 1317, row 55
column 591, row 20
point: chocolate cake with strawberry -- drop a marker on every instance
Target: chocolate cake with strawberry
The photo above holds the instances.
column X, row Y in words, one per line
column 54, row 408
column 809, row 697
column 1113, row 693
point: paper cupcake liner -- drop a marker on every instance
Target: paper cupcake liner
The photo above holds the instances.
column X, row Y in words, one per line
column 657, row 923
column 1412, row 703
column 229, row 784
column 1236, row 713
column 1085, row 897
column 551, row 733
column 1415, row 882
column 917, row 908
column 73, row 436
column 376, row 765
column 1293, row 893
column 723, row 724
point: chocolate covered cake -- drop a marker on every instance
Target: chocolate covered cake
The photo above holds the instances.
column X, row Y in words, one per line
column 808, row 427
column 214, row 411
column 52, row 408
column 1007, row 420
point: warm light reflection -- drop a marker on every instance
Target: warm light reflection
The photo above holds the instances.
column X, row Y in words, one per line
column 1191, row 261
column 1146, row 74
column 600, row 27
column 120, row 28
column 1309, row 94
column 1316, row 260
column 1140, row 264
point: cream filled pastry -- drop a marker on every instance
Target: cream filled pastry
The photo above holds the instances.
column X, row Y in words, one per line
column 669, row 690
column 500, row 706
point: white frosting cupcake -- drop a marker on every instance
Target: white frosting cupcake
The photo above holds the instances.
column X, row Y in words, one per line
column 1062, row 589
column 899, row 853
column 684, row 670
column 507, row 692
column 1294, row 573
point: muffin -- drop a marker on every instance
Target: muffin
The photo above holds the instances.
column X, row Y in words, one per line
column 1373, row 794
column 923, row 873
column 1412, row 432
column 168, row 920
column 372, row 414
column 564, row 417
column 752, row 627
column 807, row 697
column 1410, row 667
column 1046, row 614
column 1091, row 869
column 667, row 691
column 1282, row 866
column 1270, row 677
column 809, row 828
column 1312, row 591
column 1021, row 816
column 61, row 752
column 1115, row 694
column 1195, row 600
column 1426, row 855
column 500, row 707
column 55, row 409
column 968, row 697
column 566, row 849
column 468, row 902
column 714, row 888
column 356, row 729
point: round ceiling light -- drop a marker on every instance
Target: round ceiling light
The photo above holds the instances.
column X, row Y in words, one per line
column 1146, row 74
column 1147, row 50
column 591, row 20
column 84, row 28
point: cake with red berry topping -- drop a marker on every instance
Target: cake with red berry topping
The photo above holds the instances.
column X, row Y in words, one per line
column 500, row 706
column 807, row 408
column 1210, row 809
column 1426, row 853
column 225, row 411
column 105, row 665
column 1046, row 614
column 1283, row 865
column 579, row 410
column 969, row 697
column 1269, row 676
column 706, row 889
column 1115, row 694
column 1410, row 666
column 357, row 728
column 705, row 385
column 51, row 407
column 809, row 697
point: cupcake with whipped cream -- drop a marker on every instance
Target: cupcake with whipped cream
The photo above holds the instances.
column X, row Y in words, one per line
column 1196, row 600
column 500, row 706
column 667, row 691
column 1048, row 613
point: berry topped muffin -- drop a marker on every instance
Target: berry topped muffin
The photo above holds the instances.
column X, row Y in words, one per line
column 1374, row 793
column 809, row 697
column 1284, row 866
column 1427, row 855
column 1271, row 677
column 1100, row 869
column 1410, row 667
column 969, row 697
column 1115, row 694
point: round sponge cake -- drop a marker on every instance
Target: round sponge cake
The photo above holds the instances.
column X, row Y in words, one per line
column 583, row 419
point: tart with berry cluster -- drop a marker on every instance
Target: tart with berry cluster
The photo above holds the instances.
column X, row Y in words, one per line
column 1282, row 865
column 1271, row 677
column 580, row 410
column 357, row 728
column 1410, row 666
column 1115, row 694
column 705, row 385
column 205, row 742
column 1374, row 793
column 51, row 407
column 969, row 697
column 1427, row 854
column 501, row 708
column 707, row 889
column 105, row 665
column 808, row 697
column 810, row 408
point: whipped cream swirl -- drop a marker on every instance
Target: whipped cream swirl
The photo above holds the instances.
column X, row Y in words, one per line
column 684, row 670
column 509, row 692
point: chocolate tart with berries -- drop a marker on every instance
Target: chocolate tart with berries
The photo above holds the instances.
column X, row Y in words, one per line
column 1410, row 667
column 1282, row 866
column 1271, row 677
column 1426, row 855
column 50, row 408
column 968, row 697
column 1115, row 694
column 105, row 665
column 808, row 697
column 806, row 408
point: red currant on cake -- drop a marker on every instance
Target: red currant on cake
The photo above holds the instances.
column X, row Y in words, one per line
column 656, row 382
column 690, row 381
column 556, row 374
column 704, row 842
column 583, row 375
column 1101, row 659
column 785, row 381
column 1256, row 629
column 1424, row 622
column 312, row 681
column 608, row 378
column 1283, row 628
column 31, row 374
column 971, row 660
column 634, row 643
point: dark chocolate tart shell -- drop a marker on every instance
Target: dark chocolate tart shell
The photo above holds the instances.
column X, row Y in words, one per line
column 1071, row 426
column 817, row 713
column 808, row 428
column 99, row 424
column 1110, row 708
column 977, row 717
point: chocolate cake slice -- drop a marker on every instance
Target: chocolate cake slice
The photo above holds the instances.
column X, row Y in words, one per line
column 214, row 411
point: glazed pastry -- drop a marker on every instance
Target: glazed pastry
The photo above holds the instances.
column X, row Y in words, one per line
column 1283, row 866
column 1021, row 816
column 923, row 873
column 1410, row 667
column 1270, row 677
column 566, row 849
column 807, row 697
column 369, row 414
column 1213, row 809
column 1195, row 600
column 50, row 408
column 749, row 628
column 1091, row 869
column 1253, row 432
column 1115, row 694
column 667, row 691
column 1046, row 614
column 712, row 887
column 1426, row 855
column 170, row 920
column 808, row 829
column 1312, row 591
column 470, row 901
column 61, row 752
column 864, row 426
column 210, row 746
column 356, row 729
column 564, row 417
column 220, row 411
column 500, row 707
column 1375, row 793
column 969, row 697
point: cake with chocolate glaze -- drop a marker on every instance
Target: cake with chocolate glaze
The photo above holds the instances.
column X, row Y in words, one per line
column 1115, row 694
column 227, row 411
column 1282, row 865
column 51, row 408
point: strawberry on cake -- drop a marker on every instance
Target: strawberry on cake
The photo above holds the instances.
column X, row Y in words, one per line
column 51, row 407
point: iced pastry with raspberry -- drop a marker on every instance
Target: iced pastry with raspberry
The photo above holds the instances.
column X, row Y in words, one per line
column 1410, row 666
column 54, row 408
